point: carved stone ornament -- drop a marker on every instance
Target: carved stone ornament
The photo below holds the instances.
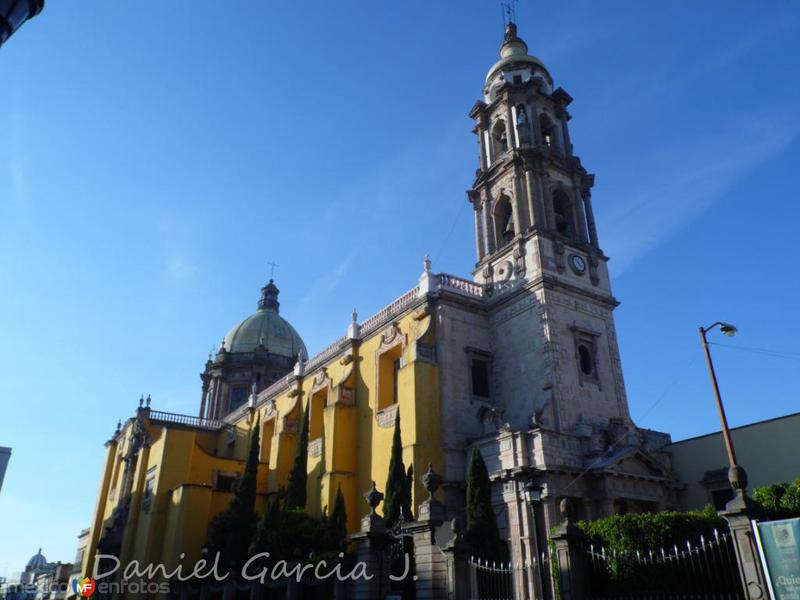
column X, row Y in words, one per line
column 431, row 481
column 390, row 334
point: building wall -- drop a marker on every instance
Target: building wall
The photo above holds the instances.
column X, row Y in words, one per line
column 170, row 514
column 767, row 450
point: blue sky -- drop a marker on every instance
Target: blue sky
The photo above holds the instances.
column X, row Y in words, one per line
column 154, row 161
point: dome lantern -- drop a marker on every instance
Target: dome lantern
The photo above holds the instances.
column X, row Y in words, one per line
column 269, row 298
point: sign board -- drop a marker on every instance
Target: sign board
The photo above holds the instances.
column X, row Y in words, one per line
column 779, row 546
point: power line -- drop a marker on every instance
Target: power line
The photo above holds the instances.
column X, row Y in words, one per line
column 762, row 351
column 652, row 407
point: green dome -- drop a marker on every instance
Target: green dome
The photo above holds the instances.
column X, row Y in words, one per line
column 266, row 327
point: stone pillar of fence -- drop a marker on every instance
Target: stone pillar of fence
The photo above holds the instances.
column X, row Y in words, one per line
column 570, row 557
column 429, row 560
column 456, row 553
column 372, row 542
column 739, row 514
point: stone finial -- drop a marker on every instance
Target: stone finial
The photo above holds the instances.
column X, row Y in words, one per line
column 566, row 509
column 147, row 401
column 354, row 329
column 141, row 401
column 431, row 481
column 373, row 498
column 737, row 477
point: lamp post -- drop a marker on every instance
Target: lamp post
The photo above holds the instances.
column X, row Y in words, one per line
column 533, row 495
column 735, row 472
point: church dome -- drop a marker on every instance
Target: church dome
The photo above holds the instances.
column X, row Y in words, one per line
column 37, row 561
column 514, row 52
column 266, row 328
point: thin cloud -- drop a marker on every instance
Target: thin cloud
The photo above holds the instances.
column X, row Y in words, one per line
column 667, row 199
column 327, row 283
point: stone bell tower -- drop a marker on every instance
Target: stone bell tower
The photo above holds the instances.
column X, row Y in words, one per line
column 556, row 359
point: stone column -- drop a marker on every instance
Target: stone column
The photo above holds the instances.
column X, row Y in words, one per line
column 571, row 560
column 456, row 553
column 430, row 562
column 372, row 541
column 739, row 513
column 587, row 209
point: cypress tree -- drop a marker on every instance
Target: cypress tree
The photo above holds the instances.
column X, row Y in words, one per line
column 409, row 486
column 231, row 531
column 337, row 522
column 481, row 527
column 298, row 476
column 398, row 493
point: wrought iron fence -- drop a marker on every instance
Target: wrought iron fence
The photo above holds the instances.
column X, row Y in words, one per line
column 490, row 580
column 702, row 570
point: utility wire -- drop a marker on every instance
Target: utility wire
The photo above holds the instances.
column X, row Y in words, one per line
column 762, row 351
column 623, row 437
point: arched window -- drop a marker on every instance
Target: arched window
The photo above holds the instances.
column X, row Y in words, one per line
column 548, row 131
column 499, row 138
column 503, row 221
column 563, row 213
column 585, row 360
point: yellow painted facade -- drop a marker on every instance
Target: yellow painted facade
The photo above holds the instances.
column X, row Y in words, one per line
column 161, row 479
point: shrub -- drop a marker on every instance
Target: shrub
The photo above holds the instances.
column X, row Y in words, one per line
column 779, row 500
column 623, row 535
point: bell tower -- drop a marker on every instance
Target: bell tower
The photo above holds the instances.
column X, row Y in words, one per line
column 538, row 250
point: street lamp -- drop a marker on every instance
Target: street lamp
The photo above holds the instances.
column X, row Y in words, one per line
column 533, row 495
column 736, row 474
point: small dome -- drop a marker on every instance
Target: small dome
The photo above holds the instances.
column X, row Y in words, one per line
column 514, row 51
column 266, row 327
column 37, row 561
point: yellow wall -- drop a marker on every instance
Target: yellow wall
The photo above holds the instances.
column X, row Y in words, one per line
column 355, row 449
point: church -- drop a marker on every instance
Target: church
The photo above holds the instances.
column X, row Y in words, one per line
column 520, row 360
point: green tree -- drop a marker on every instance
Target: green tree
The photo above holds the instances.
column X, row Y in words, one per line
column 481, row 527
column 231, row 532
column 337, row 522
column 298, row 476
column 409, row 488
column 779, row 500
column 398, row 494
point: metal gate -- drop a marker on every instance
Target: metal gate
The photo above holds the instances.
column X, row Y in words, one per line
column 706, row 570
column 490, row 580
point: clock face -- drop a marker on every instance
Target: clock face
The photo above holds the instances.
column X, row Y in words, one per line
column 577, row 263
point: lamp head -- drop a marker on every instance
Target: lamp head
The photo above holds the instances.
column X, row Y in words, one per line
column 533, row 492
column 728, row 329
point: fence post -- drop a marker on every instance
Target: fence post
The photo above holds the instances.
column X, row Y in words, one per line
column 573, row 572
column 456, row 555
column 739, row 513
column 372, row 541
column 429, row 560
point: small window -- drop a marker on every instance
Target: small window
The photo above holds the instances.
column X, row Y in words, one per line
column 500, row 138
column 316, row 426
column 562, row 209
column 389, row 364
column 585, row 359
column 239, row 396
column 225, row 483
column 480, row 378
column 395, row 371
column 517, row 79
